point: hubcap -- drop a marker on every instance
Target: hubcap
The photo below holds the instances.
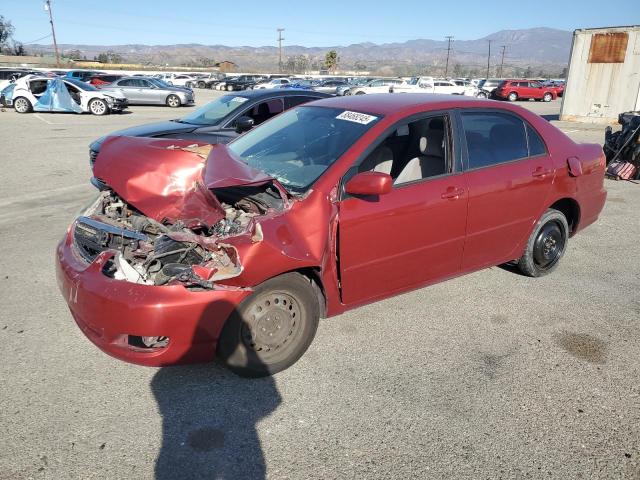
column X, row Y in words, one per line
column 549, row 245
column 272, row 324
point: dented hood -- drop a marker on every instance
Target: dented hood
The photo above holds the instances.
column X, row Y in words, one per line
column 171, row 180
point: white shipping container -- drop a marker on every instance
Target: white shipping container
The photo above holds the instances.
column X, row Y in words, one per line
column 604, row 75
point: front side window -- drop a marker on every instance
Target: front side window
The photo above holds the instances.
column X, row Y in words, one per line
column 413, row 151
column 298, row 146
column 493, row 138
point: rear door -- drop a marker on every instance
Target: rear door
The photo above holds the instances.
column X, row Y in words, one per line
column 129, row 89
column 509, row 175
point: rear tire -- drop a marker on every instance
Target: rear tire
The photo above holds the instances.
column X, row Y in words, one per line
column 513, row 96
column 229, row 88
column 173, row 101
column 97, row 106
column 22, row 105
column 201, row 84
column 546, row 245
column 360, row 93
column 272, row 328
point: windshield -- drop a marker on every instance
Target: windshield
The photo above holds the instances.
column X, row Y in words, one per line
column 297, row 146
column 159, row 83
column 81, row 85
column 213, row 112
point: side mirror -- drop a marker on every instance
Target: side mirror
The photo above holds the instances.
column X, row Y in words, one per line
column 369, row 184
column 244, row 124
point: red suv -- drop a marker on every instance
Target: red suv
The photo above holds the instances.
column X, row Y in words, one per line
column 513, row 90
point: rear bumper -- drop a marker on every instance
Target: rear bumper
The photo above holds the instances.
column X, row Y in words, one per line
column 110, row 312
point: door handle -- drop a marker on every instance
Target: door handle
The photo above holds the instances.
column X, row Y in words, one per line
column 452, row 193
column 540, row 172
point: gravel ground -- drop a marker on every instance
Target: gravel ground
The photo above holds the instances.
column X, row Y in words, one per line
column 491, row 375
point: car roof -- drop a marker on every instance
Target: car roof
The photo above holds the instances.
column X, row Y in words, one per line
column 263, row 93
column 386, row 103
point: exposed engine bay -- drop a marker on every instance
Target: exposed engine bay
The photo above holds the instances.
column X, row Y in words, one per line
column 154, row 253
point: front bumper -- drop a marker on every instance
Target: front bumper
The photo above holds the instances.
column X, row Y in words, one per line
column 118, row 104
column 113, row 312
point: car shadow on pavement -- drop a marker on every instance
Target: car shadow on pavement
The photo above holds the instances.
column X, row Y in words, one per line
column 209, row 418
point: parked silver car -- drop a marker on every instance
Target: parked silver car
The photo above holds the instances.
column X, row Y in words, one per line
column 152, row 91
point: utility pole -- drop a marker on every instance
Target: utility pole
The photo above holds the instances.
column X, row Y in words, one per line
column 502, row 59
column 446, row 68
column 47, row 7
column 488, row 59
column 280, row 38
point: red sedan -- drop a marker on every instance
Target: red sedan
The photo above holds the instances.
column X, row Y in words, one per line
column 328, row 206
column 513, row 90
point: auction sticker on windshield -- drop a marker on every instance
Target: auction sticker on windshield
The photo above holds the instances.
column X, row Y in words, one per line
column 356, row 117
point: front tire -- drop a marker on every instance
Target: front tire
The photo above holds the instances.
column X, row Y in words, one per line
column 97, row 106
column 201, row 84
column 229, row 88
column 360, row 93
column 173, row 101
column 272, row 328
column 22, row 105
column 547, row 97
column 546, row 245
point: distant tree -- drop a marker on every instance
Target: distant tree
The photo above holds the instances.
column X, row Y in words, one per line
column 18, row 49
column 114, row 57
column 74, row 54
column 6, row 32
column 528, row 72
column 102, row 58
column 331, row 60
column 359, row 66
column 564, row 72
column 301, row 63
column 458, row 70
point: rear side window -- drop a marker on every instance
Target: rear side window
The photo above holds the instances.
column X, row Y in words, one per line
column 493, row 138
column 536, row 145
column 298, row 100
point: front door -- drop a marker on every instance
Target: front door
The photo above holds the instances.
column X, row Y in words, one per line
column 414, row 234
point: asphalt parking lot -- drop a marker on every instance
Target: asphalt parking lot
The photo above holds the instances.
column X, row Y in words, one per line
column 491, row 375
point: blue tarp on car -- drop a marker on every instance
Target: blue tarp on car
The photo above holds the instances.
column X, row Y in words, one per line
column 6, row 95
column 56, row 98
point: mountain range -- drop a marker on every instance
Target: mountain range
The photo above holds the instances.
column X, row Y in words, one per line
column 538, row 48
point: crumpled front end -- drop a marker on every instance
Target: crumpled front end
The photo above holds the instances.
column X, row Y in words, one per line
column 150, row 279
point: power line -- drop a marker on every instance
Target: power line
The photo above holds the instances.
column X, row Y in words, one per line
column 47, row 7
column 280, row 38
column 446, row 68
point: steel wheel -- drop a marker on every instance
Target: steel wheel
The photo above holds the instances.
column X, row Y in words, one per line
column 22, row 105
column 173, row 101
column 271, row 329
column 546, row 244
column 272, row 326
column 549, row 245
column 98, row 106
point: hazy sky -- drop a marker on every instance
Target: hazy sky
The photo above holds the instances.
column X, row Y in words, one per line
column 317, row 23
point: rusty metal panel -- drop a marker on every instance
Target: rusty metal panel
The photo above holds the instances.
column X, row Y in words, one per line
column 608, row 47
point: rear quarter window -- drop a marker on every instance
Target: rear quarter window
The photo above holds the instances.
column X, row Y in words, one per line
column 536, row 145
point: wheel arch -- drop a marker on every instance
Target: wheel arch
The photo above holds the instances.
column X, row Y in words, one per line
column 570, row 208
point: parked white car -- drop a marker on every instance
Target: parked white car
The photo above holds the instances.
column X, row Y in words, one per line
column 46, row 94
column 378, row 85
column 430, row 85
column 273, row 83
column 181, row 80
